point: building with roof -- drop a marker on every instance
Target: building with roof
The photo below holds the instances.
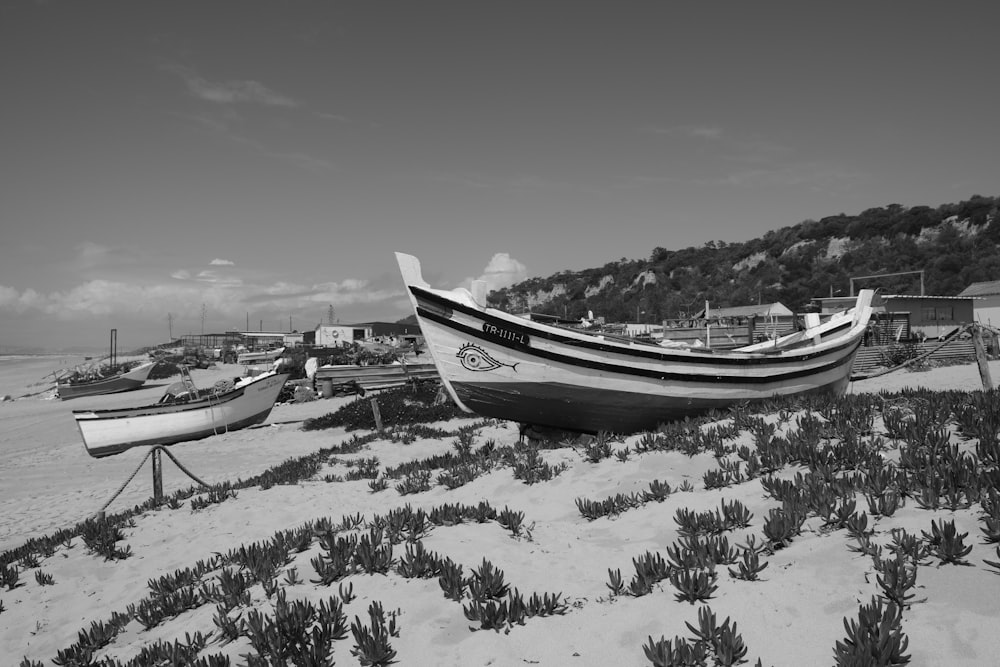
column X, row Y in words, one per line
column 930, row 316
column 986, row 304
column 909, row 316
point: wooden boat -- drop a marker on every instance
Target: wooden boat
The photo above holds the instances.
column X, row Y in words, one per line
column 503, row 366
column 375, row 376
column 121, row 381
column 249, row 402
column 261, row 357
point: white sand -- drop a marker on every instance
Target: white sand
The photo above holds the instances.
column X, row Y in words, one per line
column 792, row 617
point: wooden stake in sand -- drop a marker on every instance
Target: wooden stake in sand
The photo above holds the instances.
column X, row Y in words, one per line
column 377, row 414
column 984, row 367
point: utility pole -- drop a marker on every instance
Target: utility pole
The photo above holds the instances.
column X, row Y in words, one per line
column 170, row 325
column 203, row 310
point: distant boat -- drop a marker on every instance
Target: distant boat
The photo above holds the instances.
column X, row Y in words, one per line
column 507, row 367
column 121, row 381
column 249, row 402
column 259, row 357
column 375, row 376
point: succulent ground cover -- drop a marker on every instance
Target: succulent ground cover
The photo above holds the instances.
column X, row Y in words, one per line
column 865, row 512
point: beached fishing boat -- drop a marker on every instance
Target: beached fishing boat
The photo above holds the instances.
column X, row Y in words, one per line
column 375, row 376
column 121, row 381
column 261, row 357
column 248, row 402
column 503, row 366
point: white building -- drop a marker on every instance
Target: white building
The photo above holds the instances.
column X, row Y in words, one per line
column 985, row 302
column 339, row 335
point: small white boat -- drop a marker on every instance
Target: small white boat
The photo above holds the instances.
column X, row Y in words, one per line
column 261, row 357
column 503, row 366
column 249, row 402
column 121, row 381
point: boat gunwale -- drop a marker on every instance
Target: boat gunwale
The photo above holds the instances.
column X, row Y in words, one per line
column 781, row 370
column 846, row 335
column 154, row 409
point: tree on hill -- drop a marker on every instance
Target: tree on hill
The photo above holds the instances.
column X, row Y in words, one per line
column 954, row 244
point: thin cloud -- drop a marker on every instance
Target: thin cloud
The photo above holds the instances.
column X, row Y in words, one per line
column 706, row 132
column 225, row 298
column 245, row 91
column 222, row 262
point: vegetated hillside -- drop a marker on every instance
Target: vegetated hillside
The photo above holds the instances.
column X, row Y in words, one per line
column 955, row 245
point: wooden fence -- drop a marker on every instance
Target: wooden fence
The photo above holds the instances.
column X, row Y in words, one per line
column 882, row 356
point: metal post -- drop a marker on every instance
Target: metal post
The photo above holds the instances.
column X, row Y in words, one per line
column 157, row 476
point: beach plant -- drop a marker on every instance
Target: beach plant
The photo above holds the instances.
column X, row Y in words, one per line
column 230, row 629
column 598, row 448
column 101, row 536
column 487, row 582
column 781, row 526
column 722, row 641
column 615, row 583
column 451, row 580
column 372, row 555
column 650, row 569
column 44, row 579
column 945, row 542
column 657, row 492
column 676, row 652
column 876, row 638
column 907, row 545
column 529, row 466
column 511, row 520
column 371, row 643
column 380, row 484
column 9, row 577
column 735, row 515
column 29, row 561
column 693, row 585
column 897, row 578
column 994, row 563
column 458, row 475
column 397, row 406
column 415, row 482
column 419, row 563
column 748, row 567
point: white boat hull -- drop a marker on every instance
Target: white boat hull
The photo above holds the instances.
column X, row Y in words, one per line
column 259, row 357
column 107, row 432
column 499, row 365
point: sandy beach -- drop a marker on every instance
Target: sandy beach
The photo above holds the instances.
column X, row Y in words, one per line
column 792, row 616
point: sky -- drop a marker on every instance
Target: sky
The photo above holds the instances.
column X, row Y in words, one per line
column 186, row 167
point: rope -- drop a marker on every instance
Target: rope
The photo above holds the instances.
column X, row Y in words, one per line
column 152, row 449
column 126, row 483
column 179, row 465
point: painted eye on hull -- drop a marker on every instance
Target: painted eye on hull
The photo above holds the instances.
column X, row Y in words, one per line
column 475, row 358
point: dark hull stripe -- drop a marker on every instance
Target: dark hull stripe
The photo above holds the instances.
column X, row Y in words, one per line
column 118, row 448
column 109, row 386
column 588, row 410
column 845, row 356
column 436, row 307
